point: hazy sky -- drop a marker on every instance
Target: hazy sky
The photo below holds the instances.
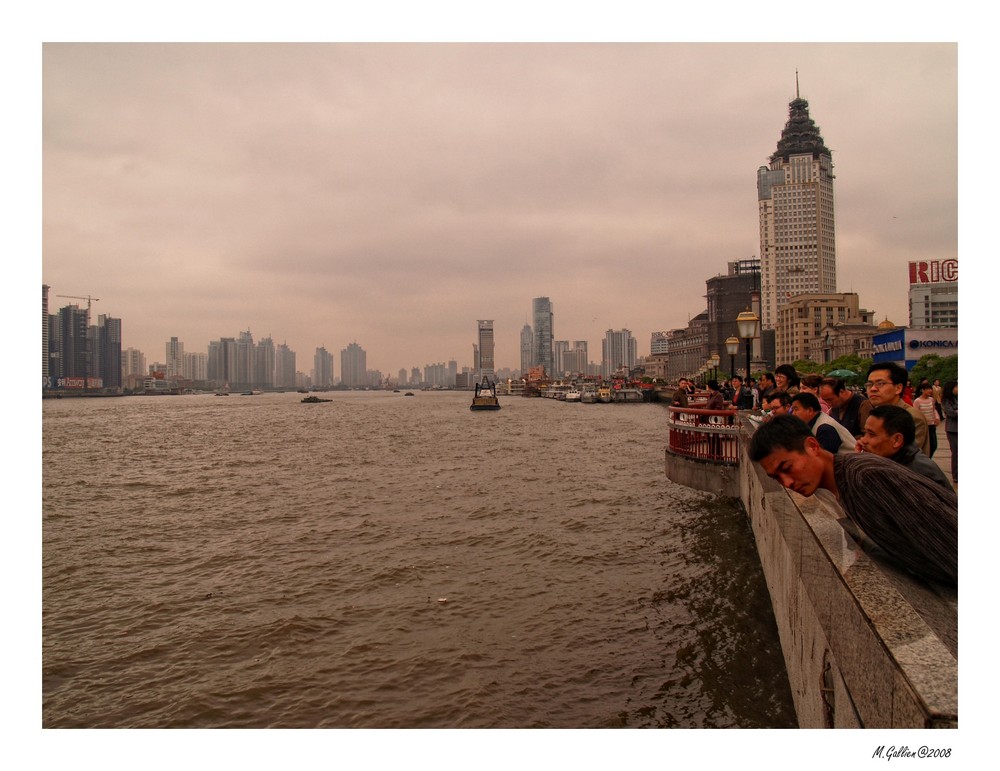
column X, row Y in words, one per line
column 393, row 194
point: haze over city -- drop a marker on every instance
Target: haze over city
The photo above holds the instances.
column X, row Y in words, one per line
column 393, row 194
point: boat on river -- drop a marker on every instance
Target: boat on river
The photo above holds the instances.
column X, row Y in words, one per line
column 486, row 396
column 315, row 400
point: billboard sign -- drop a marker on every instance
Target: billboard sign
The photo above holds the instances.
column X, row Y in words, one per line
column 933, row 272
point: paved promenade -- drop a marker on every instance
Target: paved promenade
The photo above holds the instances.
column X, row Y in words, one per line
column 942, row 456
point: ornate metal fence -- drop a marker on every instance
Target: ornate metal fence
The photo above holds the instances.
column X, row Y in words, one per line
column 708, row 435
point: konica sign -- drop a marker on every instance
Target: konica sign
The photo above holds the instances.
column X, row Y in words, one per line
column 908, row 346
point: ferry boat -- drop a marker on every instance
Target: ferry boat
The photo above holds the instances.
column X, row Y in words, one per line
column 604, row 394
column 486, row 396
column 572, row 395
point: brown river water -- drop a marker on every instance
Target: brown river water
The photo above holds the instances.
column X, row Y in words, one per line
column 383, row 561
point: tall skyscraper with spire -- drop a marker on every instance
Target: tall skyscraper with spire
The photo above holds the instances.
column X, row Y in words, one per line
column 795, row 201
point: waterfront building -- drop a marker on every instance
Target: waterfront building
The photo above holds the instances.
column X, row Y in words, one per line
column 284, row 367
column 842, row 339
column 804, row 317
column 487, row 367
column 133, row 363
column 109, row 351
column 687, row 348
column 415, row 376
column 795, row 206
column 263, row 363
column 934, row 294
column 527, row 347
column 175, row 358
column 323, row 368
column 71, row 343
column 354, row 366
column 541, row 314
column 727, row 295
column 45, row 336
column 195, row 367
column 658, row 343
column 619, row 350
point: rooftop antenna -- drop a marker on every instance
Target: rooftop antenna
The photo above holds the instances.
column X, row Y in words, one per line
column 796, row 82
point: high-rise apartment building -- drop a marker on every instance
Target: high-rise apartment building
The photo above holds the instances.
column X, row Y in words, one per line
column 109, row 347
column 527, row 348
column 323, row 368
column 175, row 358
column 795, row 203
column 541, row 315
column 487, row 367
column 354, row 366
column 45, row 336
column 619, row 351
column 284, row 367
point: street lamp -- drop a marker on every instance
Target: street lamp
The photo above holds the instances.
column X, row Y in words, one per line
column 714, row 361
column 746, row 323
column 732, row 348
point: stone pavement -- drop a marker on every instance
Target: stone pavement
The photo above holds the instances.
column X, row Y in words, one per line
column 942, row 456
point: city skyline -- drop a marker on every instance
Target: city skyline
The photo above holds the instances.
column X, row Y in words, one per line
column 305, row 192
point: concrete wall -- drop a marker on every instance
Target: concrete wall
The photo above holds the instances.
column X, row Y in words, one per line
column 865, row 644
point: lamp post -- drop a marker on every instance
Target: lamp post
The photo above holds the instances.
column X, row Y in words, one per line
column 714, row 361
column 732, row 348
column 747, row 323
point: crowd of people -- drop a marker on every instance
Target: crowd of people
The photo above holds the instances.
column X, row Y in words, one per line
column 869, row 451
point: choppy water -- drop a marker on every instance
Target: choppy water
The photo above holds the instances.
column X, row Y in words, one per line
column 255, row 561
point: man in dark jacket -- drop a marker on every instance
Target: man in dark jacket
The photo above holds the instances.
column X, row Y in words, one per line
column 844, row 404
column 889, row 432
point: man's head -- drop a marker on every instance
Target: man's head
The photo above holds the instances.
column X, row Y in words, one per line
column 805, row 407
column 736, row 382
column 789, row 453
column 887, row 430
column 712, row 385
column 778, row 402
column 834, row 392
column 885, row 383
column 766, row 381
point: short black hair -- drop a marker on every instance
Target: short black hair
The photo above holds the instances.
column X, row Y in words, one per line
column 807, row 400
column 782, row 396
column 836, row 383
column 713, row 385
column 897, row 372
column 788, row 371
column 736, row 377
column 896, row 420
column 784, row 432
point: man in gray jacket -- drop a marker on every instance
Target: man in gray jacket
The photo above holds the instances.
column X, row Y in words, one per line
column 889, row 432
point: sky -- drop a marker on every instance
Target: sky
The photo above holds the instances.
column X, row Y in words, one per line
column 393, row 194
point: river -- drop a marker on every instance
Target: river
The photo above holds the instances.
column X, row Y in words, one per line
column 391, row 561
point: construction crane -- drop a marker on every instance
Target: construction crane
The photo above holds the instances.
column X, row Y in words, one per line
column 89, row 299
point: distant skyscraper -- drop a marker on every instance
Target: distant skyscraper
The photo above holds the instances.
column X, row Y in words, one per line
column 795, row 203
column 263, row 363
column 619, row 350
column 45, row 336
column 175, row 357
column 109, row 337
column 527, row 348
column 541, row 315
column 487, row 367
column 284, row 367
column 323, row 368
column 354, row 366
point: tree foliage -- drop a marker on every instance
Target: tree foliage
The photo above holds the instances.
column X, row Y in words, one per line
column 934, row 367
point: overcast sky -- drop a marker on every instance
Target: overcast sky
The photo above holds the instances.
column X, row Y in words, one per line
column 393, row 194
